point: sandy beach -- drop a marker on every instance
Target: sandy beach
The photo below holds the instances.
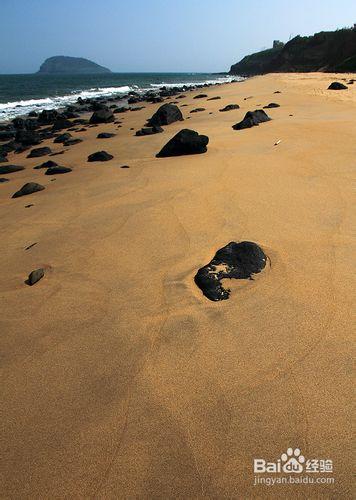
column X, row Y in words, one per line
column 120, row 379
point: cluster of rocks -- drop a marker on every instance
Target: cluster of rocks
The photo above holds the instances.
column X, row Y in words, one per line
column 25, row 132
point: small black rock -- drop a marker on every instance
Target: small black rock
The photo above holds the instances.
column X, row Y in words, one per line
column 3, row 179
column 9, row 169
column 230, row 107
column 28, row 188
column 200, row 96
column 149, row 131
column 72, row 142
column 46, row 164
column 337, row 86
column 35, row 153
column 272, row 105
column 58, row 170
column 251, row 119
column 100, row 156
column 35, row 276
column 62, row 138
column 105, row 135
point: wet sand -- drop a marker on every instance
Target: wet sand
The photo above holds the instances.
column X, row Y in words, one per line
column 120, row 379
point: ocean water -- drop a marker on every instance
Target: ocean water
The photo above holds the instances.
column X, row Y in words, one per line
column 20, row 94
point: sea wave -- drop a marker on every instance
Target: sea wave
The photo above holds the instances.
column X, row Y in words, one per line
column 222, row 79
column 13, row 109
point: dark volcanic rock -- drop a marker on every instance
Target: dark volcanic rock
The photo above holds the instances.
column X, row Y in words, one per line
column 60, row 124
column 186, row 142
column 6, row 135
column 100, row 156
column 46, row 164
column 105, row 135
column 27, row 137
column 58, row 170
column 214, row 98
column 3, row 179
column 72, row 142
column 62, row 138
column 29, row 188
column 149, row 131
column 251, row 119
column 103, row 115
column 235, row 260
column 35, row 276
column 337, row 86
column 200, row 96
column 35, row 153
column 121, row 110
column 197, row 110
column 47, row 116
column 3, row 159
column 166, row 114
column 230, row 107
column 9, row 169
column 272, row 105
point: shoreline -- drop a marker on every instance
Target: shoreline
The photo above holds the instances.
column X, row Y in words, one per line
column 116, row 94
column 121, row 379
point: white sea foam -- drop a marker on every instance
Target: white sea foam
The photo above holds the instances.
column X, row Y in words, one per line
column 12, row 109
column 222, row 79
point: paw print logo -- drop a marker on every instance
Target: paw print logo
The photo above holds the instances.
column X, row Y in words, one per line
column 293, row 461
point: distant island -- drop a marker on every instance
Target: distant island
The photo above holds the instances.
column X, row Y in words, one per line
column 327, row 51
column 65, row 65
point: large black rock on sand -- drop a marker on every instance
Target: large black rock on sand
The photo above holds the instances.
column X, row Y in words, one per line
column 186, row 142
column 251, row 119
column 29, row 188
column 235, row 260
column 166, row 114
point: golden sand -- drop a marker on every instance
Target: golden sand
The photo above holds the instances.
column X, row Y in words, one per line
column 120, row 379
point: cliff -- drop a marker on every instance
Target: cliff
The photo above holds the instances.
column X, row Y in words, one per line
column 329, row 51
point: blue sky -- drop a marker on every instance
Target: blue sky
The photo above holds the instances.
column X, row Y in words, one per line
column 157, row 35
